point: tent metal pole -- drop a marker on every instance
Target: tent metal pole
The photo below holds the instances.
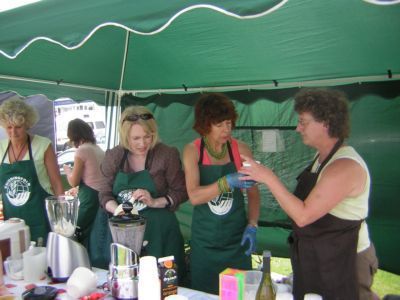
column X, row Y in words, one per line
column 275, row 84
column 78, row 86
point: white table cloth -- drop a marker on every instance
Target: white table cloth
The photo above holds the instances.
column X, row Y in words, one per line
column 17, row 287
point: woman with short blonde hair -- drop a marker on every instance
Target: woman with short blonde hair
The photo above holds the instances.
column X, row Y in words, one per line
column 18, row 112
column 142, row 116
column 147, row 173
column 28, row 169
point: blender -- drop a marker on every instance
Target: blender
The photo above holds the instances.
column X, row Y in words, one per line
column 64, row 253
column 127, row 232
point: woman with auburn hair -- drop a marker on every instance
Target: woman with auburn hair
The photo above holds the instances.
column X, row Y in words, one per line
column 220, row 228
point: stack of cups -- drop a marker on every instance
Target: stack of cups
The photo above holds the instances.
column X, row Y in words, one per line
column 149, row 283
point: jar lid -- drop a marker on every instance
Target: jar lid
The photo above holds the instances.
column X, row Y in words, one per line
column 127, row 217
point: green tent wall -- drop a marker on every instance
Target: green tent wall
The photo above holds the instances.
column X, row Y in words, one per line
column 375, row 133
column 166, row 52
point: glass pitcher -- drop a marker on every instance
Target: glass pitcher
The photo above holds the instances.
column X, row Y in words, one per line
column 62, row 212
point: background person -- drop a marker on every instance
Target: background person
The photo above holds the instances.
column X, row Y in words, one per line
column 329, row 205
column 28, row 170
column 85, row 174
column 220, row 228
column 148, row 173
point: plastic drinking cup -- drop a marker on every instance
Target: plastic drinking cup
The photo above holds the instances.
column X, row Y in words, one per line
column 252, row 280
column 14, row 268
column 81, row 283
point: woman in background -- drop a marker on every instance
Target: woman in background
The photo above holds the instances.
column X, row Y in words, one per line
column 85, row 174
column 28, row 169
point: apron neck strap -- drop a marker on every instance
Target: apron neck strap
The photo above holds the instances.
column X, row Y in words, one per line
column 29, row 147
column 125, row 156
column 326, row 160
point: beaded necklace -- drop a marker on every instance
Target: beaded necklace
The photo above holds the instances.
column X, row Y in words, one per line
column 213, row 153
column 16, row 158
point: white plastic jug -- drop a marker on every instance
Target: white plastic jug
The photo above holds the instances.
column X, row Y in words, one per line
column 35, row 264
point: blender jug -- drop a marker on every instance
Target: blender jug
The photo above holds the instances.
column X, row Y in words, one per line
column 64, row 253
column 62, row 212
column 128, row 230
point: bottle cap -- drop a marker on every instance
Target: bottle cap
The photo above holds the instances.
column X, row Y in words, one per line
column 267, row 253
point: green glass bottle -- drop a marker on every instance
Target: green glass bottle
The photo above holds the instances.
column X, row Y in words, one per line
column 266, row 290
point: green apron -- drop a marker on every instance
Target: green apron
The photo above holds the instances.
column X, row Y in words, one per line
column 99, row 240
column 23, row 196
column 217, row 229
column 162, row 228
column 88, row 206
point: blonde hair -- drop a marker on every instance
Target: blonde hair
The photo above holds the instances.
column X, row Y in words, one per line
column 17, row 112
column 150, row 125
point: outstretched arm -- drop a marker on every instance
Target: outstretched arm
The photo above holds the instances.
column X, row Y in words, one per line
column 342, row 178
column 74, row 175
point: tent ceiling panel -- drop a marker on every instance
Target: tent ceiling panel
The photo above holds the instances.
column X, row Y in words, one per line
column 295, row 43
column 97, row 63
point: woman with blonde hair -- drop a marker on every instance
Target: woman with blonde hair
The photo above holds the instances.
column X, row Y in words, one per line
column 149, row 174
column 28, row 169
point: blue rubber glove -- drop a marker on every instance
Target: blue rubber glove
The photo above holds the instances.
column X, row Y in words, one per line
column 234, row 181
column 250, row 235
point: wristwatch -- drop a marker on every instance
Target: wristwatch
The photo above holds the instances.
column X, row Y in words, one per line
column 169, row 202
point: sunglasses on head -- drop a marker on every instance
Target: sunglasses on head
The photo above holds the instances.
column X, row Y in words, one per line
column 135, row 117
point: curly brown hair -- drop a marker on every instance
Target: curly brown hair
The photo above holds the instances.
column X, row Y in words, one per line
column 327, row 106
column 213, row 108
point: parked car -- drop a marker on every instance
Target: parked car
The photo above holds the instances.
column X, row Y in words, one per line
column 65, row 157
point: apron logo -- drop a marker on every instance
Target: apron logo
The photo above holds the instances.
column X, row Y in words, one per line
column 221, row 204
column 17, row 190
column 126, row 195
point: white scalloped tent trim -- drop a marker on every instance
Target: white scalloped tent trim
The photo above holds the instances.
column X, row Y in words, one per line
column 169, row 22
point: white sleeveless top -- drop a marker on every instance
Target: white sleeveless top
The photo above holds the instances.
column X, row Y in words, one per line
column 39, row 146
column 353, row 208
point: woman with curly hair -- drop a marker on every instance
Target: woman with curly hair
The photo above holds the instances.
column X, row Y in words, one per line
column 28, row 169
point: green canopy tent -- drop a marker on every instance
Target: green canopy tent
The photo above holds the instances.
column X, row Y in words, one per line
column 163, row 53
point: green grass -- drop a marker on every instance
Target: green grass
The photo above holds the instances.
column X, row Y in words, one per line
column 384, row 282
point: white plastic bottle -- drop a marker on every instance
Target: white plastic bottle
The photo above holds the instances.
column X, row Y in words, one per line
column 149, row 282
